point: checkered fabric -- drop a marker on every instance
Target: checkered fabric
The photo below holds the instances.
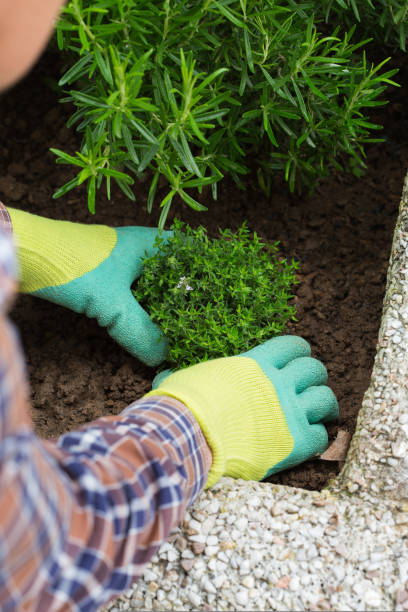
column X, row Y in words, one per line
column 5, row 219
column 81, row 516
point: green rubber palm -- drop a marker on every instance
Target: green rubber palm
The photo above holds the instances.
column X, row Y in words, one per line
column 262, row 411
column 90, row 269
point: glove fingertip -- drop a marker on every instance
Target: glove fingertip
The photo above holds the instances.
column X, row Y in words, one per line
column 160, row 377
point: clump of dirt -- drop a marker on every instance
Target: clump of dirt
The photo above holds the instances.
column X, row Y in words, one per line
column 341, row 235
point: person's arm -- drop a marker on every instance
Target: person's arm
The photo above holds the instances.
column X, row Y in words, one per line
column 82, row 516
column 25, row 27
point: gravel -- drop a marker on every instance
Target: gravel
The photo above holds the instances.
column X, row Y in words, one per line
column 254, row 546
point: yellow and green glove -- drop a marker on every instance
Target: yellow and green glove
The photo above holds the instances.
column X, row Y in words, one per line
column 261, row 412
column 90, row 269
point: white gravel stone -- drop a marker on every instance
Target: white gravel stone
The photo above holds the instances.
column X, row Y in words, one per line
column 194, row 598
column 242, row 523
column 200, row 537
column 149, row 575
column 373, row 598
column 242, row 598
column 187, row 554
column 196, row 525
column 294, row 584
column 248, row 582
column 213, row 507
column 207, row 525
column 219, row 580
column 399, row 449
column 172, row 555
column 244, row 567
column 208, row 586
column 339, row 572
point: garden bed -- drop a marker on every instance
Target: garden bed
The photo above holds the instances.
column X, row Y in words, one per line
column 341, row 235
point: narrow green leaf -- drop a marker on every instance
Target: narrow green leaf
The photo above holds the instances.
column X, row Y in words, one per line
column 228, row 14
column 152, row 191
column 355, row 9
column 129, row 144
column 65, row 188
column 164, row 213
column 167, row 198
column 248, row 51
column 116, row 174
column 126, row 189
column 83, row 175
column 312, row 86
column 104, row 66
column 209, row 79
column 191, row 201
column 189, row 155
column 196, row 129
column 117, row 124
column 83, row 38
column 300, row 100
column 243, row 80
column 86, row 99
column 268, row 78
column 75, row 70
column 201, row 182
column 145, row 104
column 170, row 93
column 91, row 194
column 69, row 159
column 108, row 187
column 269, row 131
column 60, row 39
column 144, row 131
column 148, row 156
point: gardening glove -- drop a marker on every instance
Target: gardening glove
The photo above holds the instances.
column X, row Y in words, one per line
column 90, row 269
column 262, row 411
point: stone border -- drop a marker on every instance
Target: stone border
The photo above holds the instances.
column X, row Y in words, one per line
column 255, row 546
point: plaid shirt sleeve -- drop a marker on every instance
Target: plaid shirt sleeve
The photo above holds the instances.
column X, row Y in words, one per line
column 81, row 516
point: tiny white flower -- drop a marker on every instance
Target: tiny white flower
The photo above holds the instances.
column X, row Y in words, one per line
column 182, row 283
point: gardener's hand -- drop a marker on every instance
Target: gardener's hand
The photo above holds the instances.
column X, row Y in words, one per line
column 90, row 268
column 261, row 412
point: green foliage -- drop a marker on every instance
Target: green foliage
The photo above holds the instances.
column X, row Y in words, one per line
column 216, row 297
column 384, row 20
column 190, row 91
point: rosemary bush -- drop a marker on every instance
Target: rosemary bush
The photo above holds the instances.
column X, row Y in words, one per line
column 189, row 91
column 216, row 297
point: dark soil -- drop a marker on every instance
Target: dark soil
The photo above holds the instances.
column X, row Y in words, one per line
column 341, row 235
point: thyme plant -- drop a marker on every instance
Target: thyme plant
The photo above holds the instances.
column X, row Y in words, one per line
column 216, row 297
column 190, row 91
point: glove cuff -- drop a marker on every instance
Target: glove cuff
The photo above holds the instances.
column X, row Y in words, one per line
column 239, row 413
column 53, row 253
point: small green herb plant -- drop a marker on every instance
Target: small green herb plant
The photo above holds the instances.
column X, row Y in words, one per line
column 190, row 91
column 216, row 297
